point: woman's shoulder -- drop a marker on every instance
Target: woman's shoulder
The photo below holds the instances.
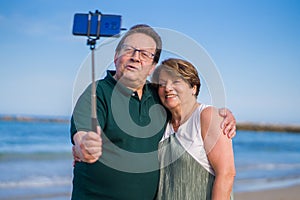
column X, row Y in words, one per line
column 210, row 118
column 208, row 111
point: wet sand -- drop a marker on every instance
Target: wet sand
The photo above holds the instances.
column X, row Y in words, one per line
column 288, row 193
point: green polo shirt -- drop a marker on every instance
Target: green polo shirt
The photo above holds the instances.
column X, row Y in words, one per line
column 131, row 129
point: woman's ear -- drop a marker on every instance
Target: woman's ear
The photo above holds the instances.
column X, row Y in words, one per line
column 194, row 90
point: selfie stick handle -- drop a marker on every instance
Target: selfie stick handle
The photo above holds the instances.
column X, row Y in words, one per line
column 93, row 97
column 92, row 43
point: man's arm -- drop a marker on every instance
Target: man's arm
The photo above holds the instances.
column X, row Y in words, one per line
column 87, row 144
column 228, row 124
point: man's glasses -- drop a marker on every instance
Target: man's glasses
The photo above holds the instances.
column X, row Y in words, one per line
column 130, row 50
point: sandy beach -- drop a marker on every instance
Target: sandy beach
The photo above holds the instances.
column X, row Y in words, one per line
column 288, row 193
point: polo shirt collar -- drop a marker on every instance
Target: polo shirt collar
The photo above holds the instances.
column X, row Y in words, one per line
column 126, row 91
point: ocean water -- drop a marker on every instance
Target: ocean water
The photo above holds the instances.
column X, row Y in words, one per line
column 36, row 160
column 266, row 160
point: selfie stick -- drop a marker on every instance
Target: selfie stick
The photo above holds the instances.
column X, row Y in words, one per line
column 89, row 25
column 92, row 42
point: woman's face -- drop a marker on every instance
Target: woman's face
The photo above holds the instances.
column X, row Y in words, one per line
column 174, row 91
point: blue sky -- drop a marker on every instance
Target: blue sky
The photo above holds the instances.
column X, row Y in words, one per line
column 255, row 45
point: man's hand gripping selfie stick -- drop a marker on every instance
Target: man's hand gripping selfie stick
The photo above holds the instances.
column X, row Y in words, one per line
column 94, row 25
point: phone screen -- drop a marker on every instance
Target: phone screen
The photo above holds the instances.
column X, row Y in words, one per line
column 110, row 25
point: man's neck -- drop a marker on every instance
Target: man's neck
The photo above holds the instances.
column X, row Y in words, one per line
column 134, row 86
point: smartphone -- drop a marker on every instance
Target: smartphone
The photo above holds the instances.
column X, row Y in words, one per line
column 110, row 25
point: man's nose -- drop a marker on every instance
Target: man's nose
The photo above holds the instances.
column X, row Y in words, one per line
column 135, row 55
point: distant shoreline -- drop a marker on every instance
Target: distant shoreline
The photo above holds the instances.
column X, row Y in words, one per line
column 268, row 127
column 34, row 119
column 240, row 125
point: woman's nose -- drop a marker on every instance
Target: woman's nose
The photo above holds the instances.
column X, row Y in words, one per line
column 169, row 86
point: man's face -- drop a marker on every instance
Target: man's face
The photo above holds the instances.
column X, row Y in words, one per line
column 134, row 62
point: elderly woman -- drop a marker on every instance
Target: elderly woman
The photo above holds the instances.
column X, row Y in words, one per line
column 196, row 159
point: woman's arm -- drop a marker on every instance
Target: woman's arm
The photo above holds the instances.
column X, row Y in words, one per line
column 219, row 152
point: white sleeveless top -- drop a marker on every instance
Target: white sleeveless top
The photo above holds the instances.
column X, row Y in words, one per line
column 189, row 136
